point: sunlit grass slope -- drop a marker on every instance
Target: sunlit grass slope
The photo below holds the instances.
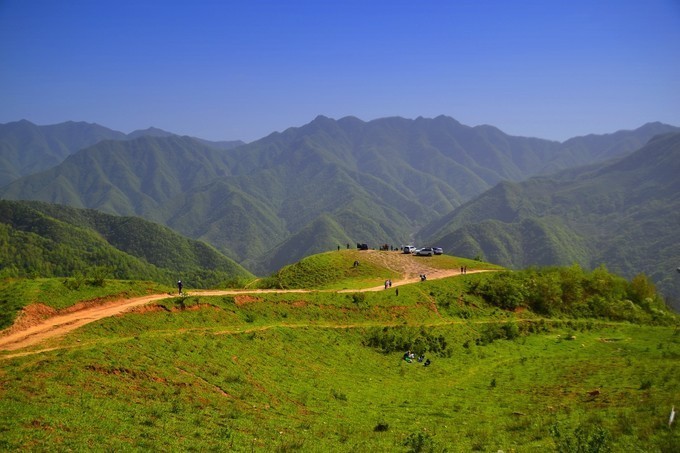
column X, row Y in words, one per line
column 336, row 269
column 322, row 371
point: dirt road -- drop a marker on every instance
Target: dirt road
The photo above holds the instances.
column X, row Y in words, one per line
column 33, row 333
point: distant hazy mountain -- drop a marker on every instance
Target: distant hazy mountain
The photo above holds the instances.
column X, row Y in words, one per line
column 584, row 150
column 51, row 240
column 306, row 189
column 26, row 148
column 624, row 214
column 155, row 132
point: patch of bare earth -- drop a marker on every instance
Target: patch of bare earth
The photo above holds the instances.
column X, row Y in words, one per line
column 39, row 325
column 243, row 299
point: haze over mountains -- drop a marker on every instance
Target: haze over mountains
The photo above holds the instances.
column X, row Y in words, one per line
column 26, row 148
column 308, row 189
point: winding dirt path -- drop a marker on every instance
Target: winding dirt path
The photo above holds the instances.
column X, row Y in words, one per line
column 16, row 337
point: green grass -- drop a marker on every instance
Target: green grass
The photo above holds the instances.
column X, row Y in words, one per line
column 455, row 262
column 332, row 270
column 287, row 372
column 323, row 371
column 336, row 271
column 320, row 388
column 60, row 293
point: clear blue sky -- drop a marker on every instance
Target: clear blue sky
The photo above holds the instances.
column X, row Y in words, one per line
column 225, row 70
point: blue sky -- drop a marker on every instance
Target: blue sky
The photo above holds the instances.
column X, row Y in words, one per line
column 225, row 70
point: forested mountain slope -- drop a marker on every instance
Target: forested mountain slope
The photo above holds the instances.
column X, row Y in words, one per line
column 51, row 240
column 291, row 193
column 624, row 214
column 26, row 148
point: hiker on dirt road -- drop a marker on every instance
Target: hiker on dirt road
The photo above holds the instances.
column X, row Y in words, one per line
column 179, row 287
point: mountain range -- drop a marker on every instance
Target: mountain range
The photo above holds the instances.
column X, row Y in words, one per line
column 26, row 148
column 624, row 213
column 335, row 182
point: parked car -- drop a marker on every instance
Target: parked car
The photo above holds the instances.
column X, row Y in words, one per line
column 438, row 250
column 409, row 249
column 425, row 251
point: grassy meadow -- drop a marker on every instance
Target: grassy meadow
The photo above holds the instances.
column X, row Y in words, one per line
column 322, row 371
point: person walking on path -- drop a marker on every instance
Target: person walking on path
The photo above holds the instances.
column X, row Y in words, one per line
column 179, row 286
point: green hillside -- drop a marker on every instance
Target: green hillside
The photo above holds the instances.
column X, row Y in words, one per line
column 273, row 201
column 557, row 359
column 41, row 239
column 623, row 214
column 27, row 149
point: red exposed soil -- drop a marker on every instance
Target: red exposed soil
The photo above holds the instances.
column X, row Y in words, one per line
column 245, row 299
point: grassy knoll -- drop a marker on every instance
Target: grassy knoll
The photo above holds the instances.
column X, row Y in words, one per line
column 336, row 270
column 324, row 372
column 60, row 293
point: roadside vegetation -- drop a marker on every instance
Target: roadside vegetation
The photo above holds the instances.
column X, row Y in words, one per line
column 61, row 293
column 539, row 360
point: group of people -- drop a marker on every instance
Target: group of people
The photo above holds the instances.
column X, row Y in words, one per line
column 423, row 277
column 388, row 283
column 463, row 269
column 409, row 357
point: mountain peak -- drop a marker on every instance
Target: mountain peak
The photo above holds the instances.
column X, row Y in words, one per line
column 151, row 131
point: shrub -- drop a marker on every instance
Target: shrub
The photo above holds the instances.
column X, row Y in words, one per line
column 492, row 332
column 358, row 299
column 381, row 427
column 338, row 395
column 419, row 442
column 400, row 339
column 505, row 290
column 586, row 438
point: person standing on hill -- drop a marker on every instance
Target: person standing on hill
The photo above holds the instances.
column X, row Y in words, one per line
column 179, row 286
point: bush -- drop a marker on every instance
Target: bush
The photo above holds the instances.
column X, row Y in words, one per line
column 381, row 427
column 504, row 289
column 358, row 299
column 583, row 439
column 400, row 339
column 571, row 291
column 419, row 442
